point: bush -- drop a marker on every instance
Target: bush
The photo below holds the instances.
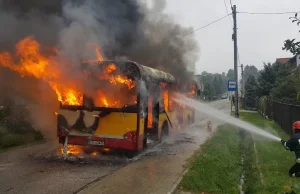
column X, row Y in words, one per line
column 11, row 140
column 15, row 129
column 37, row 136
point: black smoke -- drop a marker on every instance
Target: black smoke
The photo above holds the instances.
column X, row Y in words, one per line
column 125, row 28
column 122, row 28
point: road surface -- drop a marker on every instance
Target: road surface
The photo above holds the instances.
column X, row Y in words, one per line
column 30, row 170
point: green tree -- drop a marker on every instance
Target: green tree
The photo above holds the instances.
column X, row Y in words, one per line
column 250, row 70
column 223, row 82
column 230, row 74
column 208, row 90
column 287, row 88
column 250, row 92
column 292, row 45
column 217, row 84
column 214, row 84
column 270, row 76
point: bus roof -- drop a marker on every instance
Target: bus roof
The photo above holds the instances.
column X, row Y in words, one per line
column 138, row 71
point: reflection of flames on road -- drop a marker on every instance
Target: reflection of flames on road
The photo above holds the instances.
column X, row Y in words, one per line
column 31, row 60
column 76, row 150
column 73, row 150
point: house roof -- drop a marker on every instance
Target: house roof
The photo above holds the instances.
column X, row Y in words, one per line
column 282, row 60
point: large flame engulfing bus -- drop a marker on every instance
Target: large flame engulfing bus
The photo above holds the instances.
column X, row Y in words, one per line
column 128, row 105
column 114, row 104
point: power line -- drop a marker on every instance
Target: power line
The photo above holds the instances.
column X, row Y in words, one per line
column 205, row 26
column 268, row 13
column 227, row 11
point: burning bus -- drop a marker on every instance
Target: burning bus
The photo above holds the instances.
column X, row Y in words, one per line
column 103, row 104
column 128, row 104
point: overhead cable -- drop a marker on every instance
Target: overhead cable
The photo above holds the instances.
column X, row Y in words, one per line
column 207, row 25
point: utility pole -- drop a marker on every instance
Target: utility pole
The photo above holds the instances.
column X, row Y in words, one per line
column 234, row 36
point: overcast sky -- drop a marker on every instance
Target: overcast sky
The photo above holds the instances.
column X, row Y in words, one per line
column 260, row 37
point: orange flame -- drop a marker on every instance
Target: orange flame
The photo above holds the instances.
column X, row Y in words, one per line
column 166, row 100
column 110, row 71
column 99, row 56
column 28, row 60
column 98, row 53
column 73, row 150
column 191, row 93
column 165, row 95
column 150, row 119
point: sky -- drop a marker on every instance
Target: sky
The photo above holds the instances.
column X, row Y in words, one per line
column 260, row 37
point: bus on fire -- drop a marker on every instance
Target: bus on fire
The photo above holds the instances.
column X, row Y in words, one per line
column 127, row 105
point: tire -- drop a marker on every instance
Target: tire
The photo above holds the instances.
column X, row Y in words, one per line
column 131, row 154
column 145, row 146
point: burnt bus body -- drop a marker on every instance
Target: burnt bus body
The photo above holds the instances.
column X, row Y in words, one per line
column 124, row 127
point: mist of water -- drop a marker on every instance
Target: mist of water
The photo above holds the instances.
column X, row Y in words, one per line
column 208, row 110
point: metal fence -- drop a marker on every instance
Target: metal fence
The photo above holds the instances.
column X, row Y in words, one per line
column 265, row 107
column 285, row 115
column 282, row 113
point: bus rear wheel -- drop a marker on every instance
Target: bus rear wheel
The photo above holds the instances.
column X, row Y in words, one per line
column 131, row 154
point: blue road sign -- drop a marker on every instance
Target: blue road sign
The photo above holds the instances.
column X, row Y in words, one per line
column 231, row 85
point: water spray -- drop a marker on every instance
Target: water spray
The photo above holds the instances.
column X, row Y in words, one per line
column 208, row 110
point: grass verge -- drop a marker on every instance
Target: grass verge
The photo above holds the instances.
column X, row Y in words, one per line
column 216, row 167
column 273, row 161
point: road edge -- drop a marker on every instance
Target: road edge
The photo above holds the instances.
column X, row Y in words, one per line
column 176, row 184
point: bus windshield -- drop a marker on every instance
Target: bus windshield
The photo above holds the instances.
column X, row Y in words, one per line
column 113, row 95
column 106, row 86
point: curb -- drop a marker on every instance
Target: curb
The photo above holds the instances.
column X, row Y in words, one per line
column 176, row 184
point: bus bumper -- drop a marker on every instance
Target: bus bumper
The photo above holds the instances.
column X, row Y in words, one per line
column 98, row 142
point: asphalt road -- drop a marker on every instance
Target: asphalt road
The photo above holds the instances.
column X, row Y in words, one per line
column 33, row 169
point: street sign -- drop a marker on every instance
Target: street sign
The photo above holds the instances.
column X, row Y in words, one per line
column 231, row 85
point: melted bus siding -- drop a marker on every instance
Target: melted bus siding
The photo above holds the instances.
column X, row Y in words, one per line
column 127, row 127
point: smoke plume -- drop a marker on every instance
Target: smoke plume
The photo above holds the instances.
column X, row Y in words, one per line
column 121, row 28
column 130, row 29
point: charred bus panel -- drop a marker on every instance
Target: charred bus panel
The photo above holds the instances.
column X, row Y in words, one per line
column 120, row 120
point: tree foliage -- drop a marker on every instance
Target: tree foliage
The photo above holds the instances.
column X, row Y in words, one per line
column 292, row 45
column 250, row 91
column 288, row 87
column 250, row 70
column 230, row 74
column 215, row 84
column 270, row 76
